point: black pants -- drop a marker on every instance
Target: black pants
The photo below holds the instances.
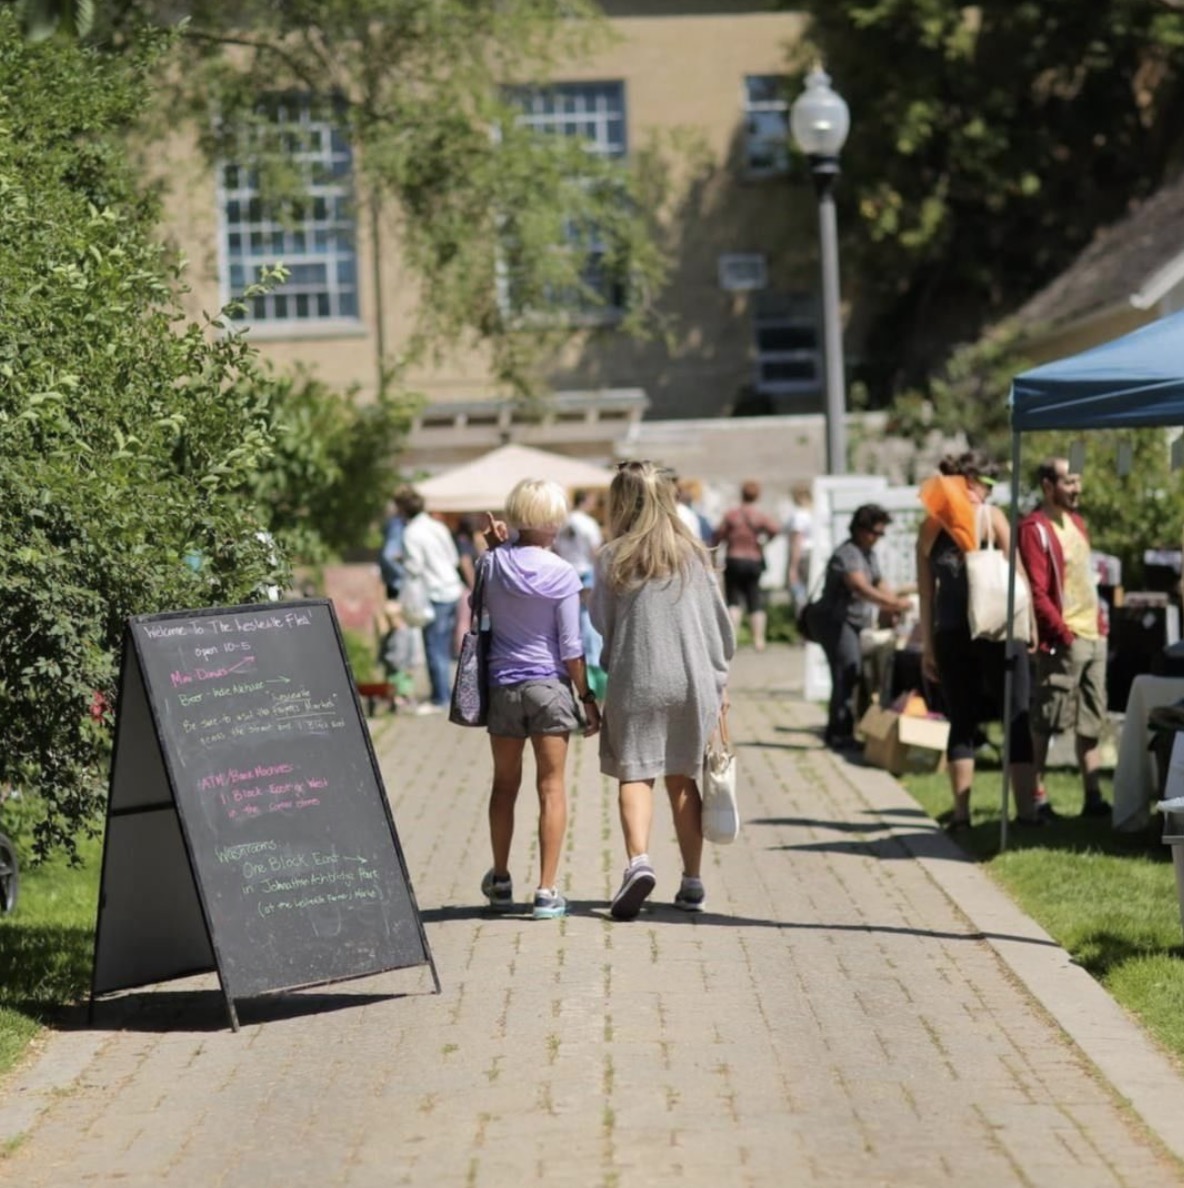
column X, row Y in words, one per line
column 840, row 642
column 972, row 675
column 742, row 584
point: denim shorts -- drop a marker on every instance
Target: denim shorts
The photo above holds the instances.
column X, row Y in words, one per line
column 533, row 707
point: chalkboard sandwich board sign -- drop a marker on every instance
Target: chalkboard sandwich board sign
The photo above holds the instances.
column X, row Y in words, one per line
column 248, row 830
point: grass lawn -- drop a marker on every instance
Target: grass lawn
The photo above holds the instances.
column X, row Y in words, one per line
column 46, row 945
column 1109, row 898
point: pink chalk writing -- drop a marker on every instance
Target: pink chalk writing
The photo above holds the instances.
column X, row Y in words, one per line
column 209, row 674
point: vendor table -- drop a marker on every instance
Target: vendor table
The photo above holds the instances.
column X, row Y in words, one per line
column 1134, row 778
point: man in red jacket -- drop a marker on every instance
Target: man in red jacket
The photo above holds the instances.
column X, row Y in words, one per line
column 1070, row 667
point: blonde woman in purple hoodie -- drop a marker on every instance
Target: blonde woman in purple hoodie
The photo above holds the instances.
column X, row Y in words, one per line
column 538, row 682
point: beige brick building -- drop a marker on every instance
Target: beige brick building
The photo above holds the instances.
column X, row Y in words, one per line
column 743, row 289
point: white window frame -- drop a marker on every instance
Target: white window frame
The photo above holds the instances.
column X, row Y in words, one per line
column 326, row 238
column 761, row 145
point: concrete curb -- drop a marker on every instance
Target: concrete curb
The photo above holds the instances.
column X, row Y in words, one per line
column 1139, row 1072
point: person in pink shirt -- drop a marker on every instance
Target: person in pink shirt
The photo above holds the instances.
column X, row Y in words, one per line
column 743, row 532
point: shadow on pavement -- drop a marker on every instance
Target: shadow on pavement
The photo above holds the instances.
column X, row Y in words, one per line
column 661, row 913
column 761, row 744
column 809, row 822
column 927, row 843
column 671, row 915
column 205, row 1010
column 922, row 843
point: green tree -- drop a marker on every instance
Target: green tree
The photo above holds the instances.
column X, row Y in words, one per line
column 1129, row 512
column 130, row 440
column 334, row 464
column 999, row 139
column 493, row 220
column 967, row 395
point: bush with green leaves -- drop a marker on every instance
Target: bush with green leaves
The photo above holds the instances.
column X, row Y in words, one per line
column 130, row 440
column 334, row 464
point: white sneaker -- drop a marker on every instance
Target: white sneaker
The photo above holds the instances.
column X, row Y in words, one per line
column 427, row 707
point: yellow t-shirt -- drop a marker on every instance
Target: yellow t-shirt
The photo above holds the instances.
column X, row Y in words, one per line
column 1080, row 595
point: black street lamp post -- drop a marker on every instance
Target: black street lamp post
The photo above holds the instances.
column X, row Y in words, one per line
column 820, row 121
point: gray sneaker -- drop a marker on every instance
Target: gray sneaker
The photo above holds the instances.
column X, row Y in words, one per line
column 498, row 890
column 548, row 904
column 636, row 886
column 691, row 896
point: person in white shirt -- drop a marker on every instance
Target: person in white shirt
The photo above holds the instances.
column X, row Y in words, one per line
column 580, row 538
column 430, row 557
column 689, row 491
column 578, row 542
column 799, row 530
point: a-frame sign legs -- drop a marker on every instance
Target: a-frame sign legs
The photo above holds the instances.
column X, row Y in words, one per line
column 151, row 926
column 248, row 830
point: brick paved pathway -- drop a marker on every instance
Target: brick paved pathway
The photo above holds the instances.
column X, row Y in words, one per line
column 849, row 1011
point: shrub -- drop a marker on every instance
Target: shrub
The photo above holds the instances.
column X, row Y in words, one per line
column 130, row 441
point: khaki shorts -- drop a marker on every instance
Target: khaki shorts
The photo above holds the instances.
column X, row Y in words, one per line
column 533, row 707
column 1071, row 689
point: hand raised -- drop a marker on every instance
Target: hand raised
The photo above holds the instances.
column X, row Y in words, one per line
column 496, row 531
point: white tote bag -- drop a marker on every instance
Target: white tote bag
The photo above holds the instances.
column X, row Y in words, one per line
column 721, row 814
column 417, row 606
column 986, row 578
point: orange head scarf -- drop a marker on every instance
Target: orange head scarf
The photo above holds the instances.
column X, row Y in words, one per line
column 947, row 500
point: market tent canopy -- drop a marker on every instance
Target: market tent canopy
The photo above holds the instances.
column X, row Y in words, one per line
column 1135, row 380
column 484, row 483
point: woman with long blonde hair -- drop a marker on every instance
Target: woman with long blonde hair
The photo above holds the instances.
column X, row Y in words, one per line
column 667, row 643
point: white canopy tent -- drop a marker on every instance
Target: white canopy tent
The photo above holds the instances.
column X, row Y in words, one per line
column 484, row 483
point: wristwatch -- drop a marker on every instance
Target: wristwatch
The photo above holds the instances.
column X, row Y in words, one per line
column 588, row 696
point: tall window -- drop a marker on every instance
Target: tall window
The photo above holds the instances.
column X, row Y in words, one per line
column 311, row 233
column 788, row 358
column 594, row 111
column 766, row 126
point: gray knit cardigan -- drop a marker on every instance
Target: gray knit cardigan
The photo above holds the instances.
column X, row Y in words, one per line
column 667, row 645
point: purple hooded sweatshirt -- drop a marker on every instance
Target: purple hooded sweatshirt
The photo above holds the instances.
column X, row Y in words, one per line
column 532, row 597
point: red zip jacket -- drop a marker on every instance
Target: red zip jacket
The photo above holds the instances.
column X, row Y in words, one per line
column 1044, row 560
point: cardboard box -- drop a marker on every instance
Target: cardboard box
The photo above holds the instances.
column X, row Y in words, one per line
column 902, row 743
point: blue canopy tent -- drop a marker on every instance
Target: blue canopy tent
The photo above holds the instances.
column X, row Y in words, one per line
column 1136, row 381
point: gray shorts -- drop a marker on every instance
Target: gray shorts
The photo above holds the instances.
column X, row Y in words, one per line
column 533, row 707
